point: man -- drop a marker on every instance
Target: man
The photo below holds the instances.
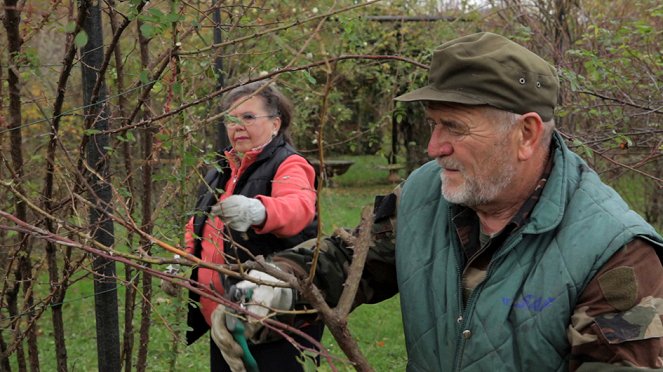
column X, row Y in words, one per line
column 509, row 253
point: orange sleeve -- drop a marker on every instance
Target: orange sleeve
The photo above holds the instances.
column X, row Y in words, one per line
column 188, row 237
column 291, row 206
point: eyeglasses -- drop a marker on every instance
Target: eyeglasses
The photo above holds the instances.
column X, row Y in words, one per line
column 244, row 120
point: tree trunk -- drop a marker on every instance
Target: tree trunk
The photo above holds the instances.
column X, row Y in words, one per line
column 222, row 140
column 105, row 287
column 131, row 276
column 12, row 307
column 146, row 212
column 4, row 360
column 47, row 199
column 23, row 273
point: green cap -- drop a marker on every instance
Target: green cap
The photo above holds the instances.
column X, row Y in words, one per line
column 489, row 69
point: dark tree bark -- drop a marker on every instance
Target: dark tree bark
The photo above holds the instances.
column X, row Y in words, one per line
column 131, row 276
column 47, row 199
column 96, row 117
column 23, row 273
column 222, row 140
column 4, row 361
column 12, row 307
column 147, row 139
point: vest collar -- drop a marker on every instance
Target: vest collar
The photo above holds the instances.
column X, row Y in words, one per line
column 549, row 210
column 235, row 162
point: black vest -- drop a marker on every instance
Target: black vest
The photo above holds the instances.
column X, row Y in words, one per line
column 256, row 180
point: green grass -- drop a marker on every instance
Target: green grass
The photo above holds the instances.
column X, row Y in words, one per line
column 377, row 328
column 341, row 203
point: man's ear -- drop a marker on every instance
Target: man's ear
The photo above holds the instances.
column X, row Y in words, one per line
column 530, row 134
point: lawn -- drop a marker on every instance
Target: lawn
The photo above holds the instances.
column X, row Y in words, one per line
column 377, row 328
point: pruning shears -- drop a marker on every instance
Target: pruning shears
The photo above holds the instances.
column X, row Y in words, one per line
column 236, row 326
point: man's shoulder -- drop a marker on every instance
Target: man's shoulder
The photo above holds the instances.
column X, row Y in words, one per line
column 428, row 170
column 423, row 179
column 421, row 188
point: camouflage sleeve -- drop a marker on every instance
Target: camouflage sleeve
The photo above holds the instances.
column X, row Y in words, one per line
column 617, row 323
column 378, row 280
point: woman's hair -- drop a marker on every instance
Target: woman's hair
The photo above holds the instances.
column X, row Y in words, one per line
column 276, row 103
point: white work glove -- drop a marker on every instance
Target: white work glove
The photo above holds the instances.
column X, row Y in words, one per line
column 239, row 212
column 265, row 298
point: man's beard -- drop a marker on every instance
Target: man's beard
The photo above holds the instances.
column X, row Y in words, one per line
column 481, row 189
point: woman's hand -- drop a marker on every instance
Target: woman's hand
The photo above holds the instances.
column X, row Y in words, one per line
column 239, row 212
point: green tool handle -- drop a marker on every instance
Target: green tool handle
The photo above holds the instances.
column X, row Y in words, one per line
column 249, row 362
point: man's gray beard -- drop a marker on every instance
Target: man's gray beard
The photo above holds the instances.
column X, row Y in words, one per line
column 475, row 192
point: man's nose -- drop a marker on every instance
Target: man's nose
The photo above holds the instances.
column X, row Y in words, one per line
column 439, row 146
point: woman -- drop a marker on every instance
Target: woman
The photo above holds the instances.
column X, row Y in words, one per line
column 267, row 203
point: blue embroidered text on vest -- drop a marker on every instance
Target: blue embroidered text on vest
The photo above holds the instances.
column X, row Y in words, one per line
column 530, row 302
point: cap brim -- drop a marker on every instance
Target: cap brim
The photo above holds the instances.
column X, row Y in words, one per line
column 429, row 93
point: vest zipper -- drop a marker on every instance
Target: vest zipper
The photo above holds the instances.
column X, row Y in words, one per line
column 511, row 241
column 467, row 311
column 461, row 319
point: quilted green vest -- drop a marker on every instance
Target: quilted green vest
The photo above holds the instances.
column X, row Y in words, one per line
column 517, row 318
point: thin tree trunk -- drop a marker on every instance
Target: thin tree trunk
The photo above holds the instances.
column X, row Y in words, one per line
column 146, row 212
column 23, row 273
column 12, row 306
column 4, row 360
column 131, row 275
column 51, row 258
column 222, row 140
column 56, row 305
column 97, row 114
column 47, row 195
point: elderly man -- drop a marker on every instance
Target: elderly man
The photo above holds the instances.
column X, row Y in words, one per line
column 508, row 251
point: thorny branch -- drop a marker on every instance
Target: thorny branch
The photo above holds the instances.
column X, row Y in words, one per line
column 262, row 77
column 134, row 262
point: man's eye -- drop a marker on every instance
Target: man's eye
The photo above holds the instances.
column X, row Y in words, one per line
column 458, row 130
column 248, row 117
column 452, row 128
